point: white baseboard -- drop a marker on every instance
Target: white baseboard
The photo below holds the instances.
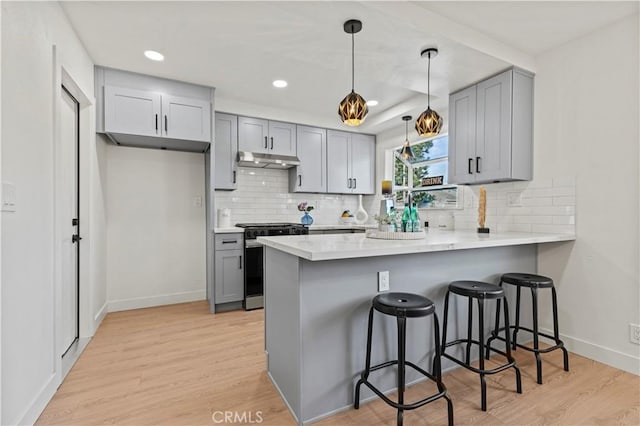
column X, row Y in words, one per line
column 147, row 302
column 39, row 403
column 600, row 353
column 97, row 319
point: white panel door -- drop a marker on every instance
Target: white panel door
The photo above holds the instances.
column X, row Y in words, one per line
column 253, row 134
column 282, row 138
column 312, row 151
column 338, row 167
column 462, row 136
column 132, row 112
column 67, row 196
column 363, row 154
column 186, row 118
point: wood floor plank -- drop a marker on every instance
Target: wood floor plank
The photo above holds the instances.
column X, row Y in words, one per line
column 178, row 365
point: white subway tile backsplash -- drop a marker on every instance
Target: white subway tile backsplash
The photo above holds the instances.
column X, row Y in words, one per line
column 547, row 205
column 263, row 196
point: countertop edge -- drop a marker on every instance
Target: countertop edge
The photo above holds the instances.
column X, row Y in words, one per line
column 533, row 238
column 231, row 230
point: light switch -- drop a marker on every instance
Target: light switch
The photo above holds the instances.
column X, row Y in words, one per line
column 8, row 197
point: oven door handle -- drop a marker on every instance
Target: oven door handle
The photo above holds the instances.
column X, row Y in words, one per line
column 252, row 244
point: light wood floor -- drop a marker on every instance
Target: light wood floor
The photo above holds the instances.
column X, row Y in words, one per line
column 177, row 365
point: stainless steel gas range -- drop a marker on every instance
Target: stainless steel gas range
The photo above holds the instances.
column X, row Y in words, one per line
column 253, row 260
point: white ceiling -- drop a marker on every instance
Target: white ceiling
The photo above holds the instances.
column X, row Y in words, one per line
column 241, row 47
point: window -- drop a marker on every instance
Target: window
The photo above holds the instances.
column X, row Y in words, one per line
column 430, row 161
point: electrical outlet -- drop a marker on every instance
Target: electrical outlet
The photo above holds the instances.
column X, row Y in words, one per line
column 634, row 333
column 514, row 199
column 197, row 201
column 383, row 281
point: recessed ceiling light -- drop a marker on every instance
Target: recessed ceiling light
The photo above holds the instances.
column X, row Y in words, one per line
column 372, row 102
column 279, row 83
column 153, row 55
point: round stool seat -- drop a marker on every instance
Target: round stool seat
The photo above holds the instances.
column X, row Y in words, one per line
column 477, row 289
column 404, row 304
column 527, row 280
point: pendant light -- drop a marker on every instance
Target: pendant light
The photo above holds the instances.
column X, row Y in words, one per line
column 429, row 123
column 353, row 108
column 407, row 152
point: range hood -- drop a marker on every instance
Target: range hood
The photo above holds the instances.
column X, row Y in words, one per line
column 270, row 161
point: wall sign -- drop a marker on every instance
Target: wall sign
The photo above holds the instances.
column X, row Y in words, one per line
column 433, row 181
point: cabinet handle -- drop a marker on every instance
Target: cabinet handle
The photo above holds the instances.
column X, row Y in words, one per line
column 234, row 176
column 240, row 263
column 477, row 164
column 265, row 142
column 299, row 180
column 469, row 167
column 349, row 183
column 271, row 142
column 156, row 123
column 355, row 183
column 166, row 128
column 229, row 241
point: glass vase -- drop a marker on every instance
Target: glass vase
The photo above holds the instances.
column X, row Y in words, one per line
column 306, row 220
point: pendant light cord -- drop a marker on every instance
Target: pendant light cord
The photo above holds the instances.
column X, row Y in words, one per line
column 406, row 130
column 429, row 81
column 352, row 59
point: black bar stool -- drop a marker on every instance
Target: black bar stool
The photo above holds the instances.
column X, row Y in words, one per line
column 403, row 306
column 480, row 291
column 534, row 282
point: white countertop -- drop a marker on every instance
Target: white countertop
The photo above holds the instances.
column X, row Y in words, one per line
column 230, row 230
column 342, row 226
column 349, row 246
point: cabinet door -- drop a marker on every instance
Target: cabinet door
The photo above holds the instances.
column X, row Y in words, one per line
column 363, row 154
column 338, row 157
column 282, row 138
column 462, row 136
column 493, row 128
column 226, row 151
column 253, row 134
column 229, row 276
column 186, row 118
column 133, row 112
column 311, row 174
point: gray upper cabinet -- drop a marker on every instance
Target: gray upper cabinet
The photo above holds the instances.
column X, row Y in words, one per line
column 264, row 136
column 146, row 113
column 186, row 118
column 350, row 163
column 150, row 112
column 311, row 174
column 226, row 151
column 130, row 111
column 491, row 130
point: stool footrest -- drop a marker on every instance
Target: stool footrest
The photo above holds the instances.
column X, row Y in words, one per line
column 442, row 389
column 477, row 370
column 559, row 343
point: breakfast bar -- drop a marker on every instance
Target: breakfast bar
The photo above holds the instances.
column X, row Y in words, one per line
column 318, row 290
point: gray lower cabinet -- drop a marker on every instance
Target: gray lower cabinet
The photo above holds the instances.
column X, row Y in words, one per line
column 226, row 151
column 491, row 130
column 311, row 174
column 350, row 163
column 229, row 268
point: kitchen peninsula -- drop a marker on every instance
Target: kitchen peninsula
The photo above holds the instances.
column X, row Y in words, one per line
column 318, row 290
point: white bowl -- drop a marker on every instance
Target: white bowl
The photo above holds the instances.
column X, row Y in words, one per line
column 349, row 219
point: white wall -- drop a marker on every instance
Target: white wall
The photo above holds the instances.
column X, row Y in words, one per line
column 29, row 362
column 155, row 233
column 98, row 231
column 586, row 124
